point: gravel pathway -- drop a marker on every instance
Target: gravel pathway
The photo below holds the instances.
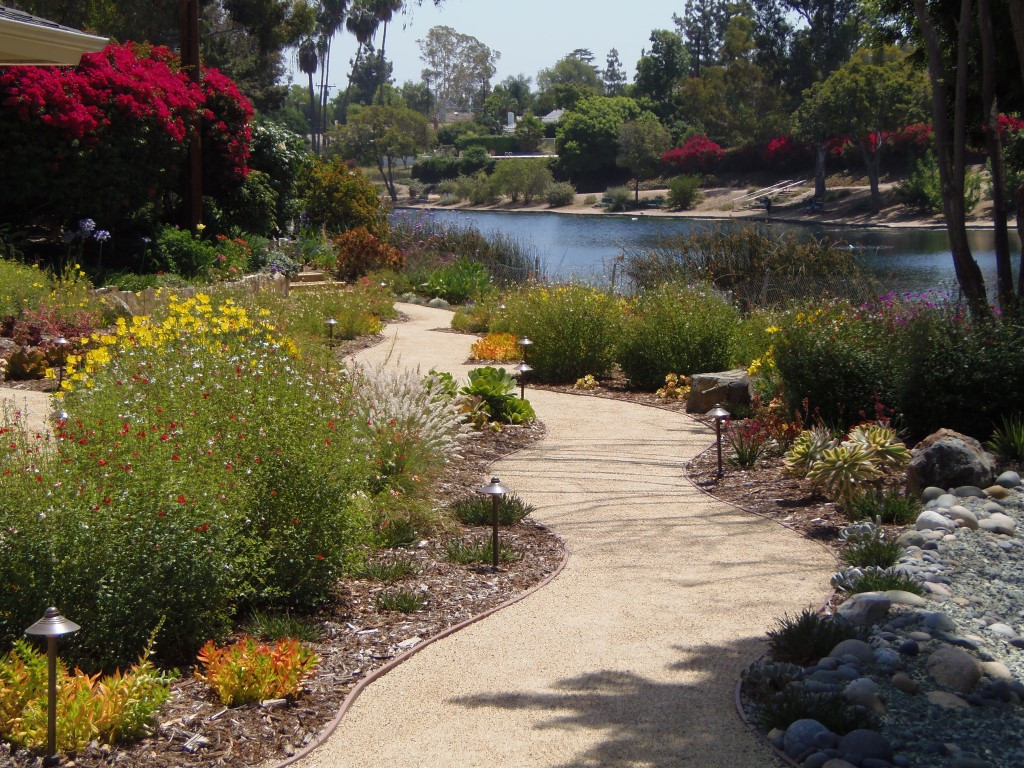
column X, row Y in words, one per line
column 630, row 657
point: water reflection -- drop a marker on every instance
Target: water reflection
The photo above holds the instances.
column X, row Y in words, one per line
column 585, row 246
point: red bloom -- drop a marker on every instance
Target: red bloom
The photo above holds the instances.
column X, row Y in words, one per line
column 182, row 499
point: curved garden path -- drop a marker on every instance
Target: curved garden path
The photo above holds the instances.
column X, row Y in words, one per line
column 630, row 656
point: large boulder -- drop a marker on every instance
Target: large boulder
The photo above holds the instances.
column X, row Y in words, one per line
column 948, row 459
column 727, row 388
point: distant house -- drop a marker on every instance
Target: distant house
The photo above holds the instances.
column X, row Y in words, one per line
column 28, row 39
column 553, row 116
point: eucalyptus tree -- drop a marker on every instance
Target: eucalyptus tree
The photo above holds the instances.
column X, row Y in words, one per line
column 458, row 68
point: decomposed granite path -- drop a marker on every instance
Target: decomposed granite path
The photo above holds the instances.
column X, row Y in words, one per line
column 630, row 656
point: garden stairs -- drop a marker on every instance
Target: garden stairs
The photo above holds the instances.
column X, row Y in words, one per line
column 630, row 656
column 313, row 280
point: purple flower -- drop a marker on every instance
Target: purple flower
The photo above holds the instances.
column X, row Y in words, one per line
column 85, row 226
column 102, row 235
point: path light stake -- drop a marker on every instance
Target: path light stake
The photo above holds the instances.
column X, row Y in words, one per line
column 719, row 414
column 331, row 322
column 525, row 343
column 520, row 372
column 51, row 626
column 495, row 490
column 62, row 350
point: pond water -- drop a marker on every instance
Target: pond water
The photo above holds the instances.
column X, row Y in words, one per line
column 585, row 246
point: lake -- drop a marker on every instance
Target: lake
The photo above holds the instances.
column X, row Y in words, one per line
column 585, row 246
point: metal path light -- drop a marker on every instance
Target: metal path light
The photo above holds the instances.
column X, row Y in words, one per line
column 525, row 343
column 495, row 490
column 719, row 414
column 62, row 350
column 520, row 372
column 331, row 322
column 51, row 626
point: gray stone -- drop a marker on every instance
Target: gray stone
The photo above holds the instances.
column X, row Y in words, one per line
column 800, row 736
column 992, row 508
column 1008, row 479
column 939, row 620
column 901, row 597
column 865, row 609
column 931, row 493
column 909, row 647
column 1001, row 524
column 996, row 670
column 887, row 658
column 860, row 650
column 910, row 538
column 969, row 492
column 964, row 516
column 864, row 692
column 816, row 760
column 954, row 668
column 904, row 682
column 969, row 761
column 940, row 591
column 726, row 388
column 997, row 492
column 946, row 700
column 949, row 459
column 862, row 743
column 1001, row 629
column 930, row 520
column 836, row 762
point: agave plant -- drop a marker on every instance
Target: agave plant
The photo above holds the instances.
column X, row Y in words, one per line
column 808, row 449
column 844, row 470
column 886, row 450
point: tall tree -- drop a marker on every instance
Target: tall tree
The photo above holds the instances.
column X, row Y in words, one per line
column 385, row 11
column 702, row 26
column 309, row 61
column 384, row 135
column 658, row 71
column 458, row 67
column 642, row 142
column 613, row 75
column 587, row 140
column 565, row 83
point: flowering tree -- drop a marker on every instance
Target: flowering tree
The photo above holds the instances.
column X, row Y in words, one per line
column 698, row 155
column 106, row 139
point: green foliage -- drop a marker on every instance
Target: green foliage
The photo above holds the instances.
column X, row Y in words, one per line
column 338, row 198
column 251, row 206
column 575, row 330
column 748, row 440
column 278, row 625
column 679, row 329
column 748, row 262
column 521, row 178
column 282, row 156
column 21, row 288
column 844, row 470
column 479, row 510
column 472, row 551
column 496, row 387
column 474, row 160
column 1007, row 441
column 808, row 449
column 618, row 198
column 181, row 252
column 922, row 189
column 871, row 547
column 390, row 570
column 875, row 579
column 794, row 702
column 435, row 168
column 459, row 281
column 888, row 506
column 807, row 637
column 478, row 316
column 587, row 138
column 561, row 194
column 499, row 145
column 400, row 601
column 684, row 192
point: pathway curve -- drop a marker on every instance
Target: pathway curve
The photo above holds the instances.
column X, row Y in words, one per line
column 630, row 656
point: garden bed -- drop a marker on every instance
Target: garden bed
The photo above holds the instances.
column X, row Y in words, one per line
column 356, row 638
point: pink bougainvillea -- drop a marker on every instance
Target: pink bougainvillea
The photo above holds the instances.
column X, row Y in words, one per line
column 106, row 137
column 698, row 155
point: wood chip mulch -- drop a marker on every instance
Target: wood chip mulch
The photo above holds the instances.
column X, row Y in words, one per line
column 356, row 638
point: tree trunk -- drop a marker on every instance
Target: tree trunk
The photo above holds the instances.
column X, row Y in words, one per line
column 819, row 171
column 314, row 121
column 1017, row 21
column 871, row 164
column 1004, row 272
column 949, row 149
column 380, row 81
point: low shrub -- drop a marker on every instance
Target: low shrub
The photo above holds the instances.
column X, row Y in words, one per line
column 273, row 626
column 179, row 251
column 832, row 710
column 871, row 547
column 675, row 328
column 389, row 570
column 475, row 317
column 248, row 671
column 479, row 510
column 472, row 551
column 399, row 601
column 874, row 579
column 561, row 194
column 684, row 192
column 497, row 348
column 699, row 154
column 618, row 198
column 807, row 637
column 360, row 252
column 496, row 387
column 459, row 281
column 888, row 506
column 436, row 168
column 748, row 440
column 575, row 330
column 338, row 198
column 1007, row 441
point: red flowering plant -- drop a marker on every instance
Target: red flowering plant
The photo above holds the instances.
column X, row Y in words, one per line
column 784, row 153
column 106, row 139
column 699, row 154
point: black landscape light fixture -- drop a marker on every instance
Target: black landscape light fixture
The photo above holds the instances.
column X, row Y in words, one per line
column 62, row 352
column 719, row 414
column 495, row 490
column 520, row 372
column 331, row 322
column 51, row 626
column 525, row 345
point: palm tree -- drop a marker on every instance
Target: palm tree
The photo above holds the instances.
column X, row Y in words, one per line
column 385, row 10
column 362, row 22
column 308, row 63
column 330, row 16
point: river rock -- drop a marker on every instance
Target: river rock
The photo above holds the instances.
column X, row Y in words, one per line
column 933, row 521
column 727, row 388
column 904, row 682
column 949, row 459
column 998, row 523
column 865, row 608
column 1008, row 479
column 856, row 648
column 864, row 692
column 800, row 736
column 946, row 700
column 954, row 668
column 861, row 744
column 902, row 597
column 964, row 516
column 997, row 492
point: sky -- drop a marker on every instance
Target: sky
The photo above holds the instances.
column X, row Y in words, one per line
column 530, row 34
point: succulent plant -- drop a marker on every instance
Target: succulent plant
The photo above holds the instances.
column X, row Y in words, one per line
column 807, row 449
column 886, row 450
column 844, row 470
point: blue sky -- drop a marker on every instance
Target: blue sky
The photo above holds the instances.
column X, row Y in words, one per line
column 530, row 34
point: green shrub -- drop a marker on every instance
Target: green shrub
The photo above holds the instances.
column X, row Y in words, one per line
column 618, row 198
column 21, row 288
column 277, row 625
column 389, row 570
column 923, row 190
column 890, row 507
column 575, row 330
column 480, row 189
column 561, row 194
column 400, row 600
column 684, row 192
column 871, row 547
column 338, row 198
column 479, row 510
column 436, row 168
column 1008, row 440
column 676, row 329
column 179, row 251
column 807, row 637
column 459, row 281
column 521, row 178
column 794, row 702
column 496, row 388
column 841, row 361
column 479, row 551
column 497, row 144
column 875, row 579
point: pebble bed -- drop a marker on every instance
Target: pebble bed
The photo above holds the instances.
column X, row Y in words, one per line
column 944, row 672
